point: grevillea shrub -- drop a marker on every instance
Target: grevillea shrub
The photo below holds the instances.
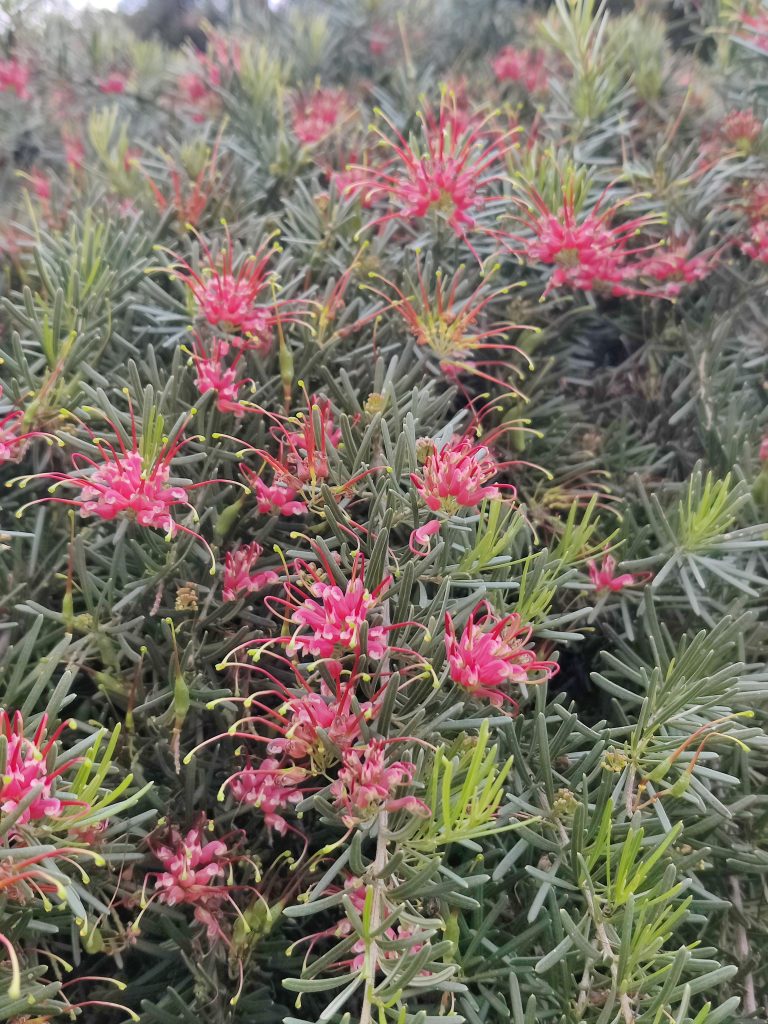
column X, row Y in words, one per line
column 384, row 515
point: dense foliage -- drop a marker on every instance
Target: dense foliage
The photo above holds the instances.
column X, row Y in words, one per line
column 383, row 544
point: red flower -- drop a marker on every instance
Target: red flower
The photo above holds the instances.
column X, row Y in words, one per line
column 276, row 499
column 14, row 77
column 187, row 197
column 331, row 618
column 114, row 84
column 588, row 251
column 197, row 89
column 40, row 184
column 355, row 182
column 239, row 578
column 673, row 267
column 270, row 789
column 492, row 652
column 741, row 128
column 315, row 116
column 304, row 717
column 763, row 452
column 191, row 866
column 74, row 151
column 605, row 579
column 366, row 785
column 757, row 202
column 132, row 481
column 27, row 768
column 193, row 87
column 755, row 245
column 12, row 443
column 457, row 475
column 757, row 28
column 301, row 462
column 453, row 175
column 213, row 374
column 525, row 67
column 419, row 542
column 330, row 622
column 450, row 326
column 125, row 483
column 233, row 299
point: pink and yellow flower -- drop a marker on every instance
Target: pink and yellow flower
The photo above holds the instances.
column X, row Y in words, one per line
column 27, row 769
column 491, row 653
column 454, row 174
column 316, row 115
column 191, row 869
column 367, row 785
column 239, row 579
column 458, row 474
column 271, row 789
column 524, row 67
column 605, row 579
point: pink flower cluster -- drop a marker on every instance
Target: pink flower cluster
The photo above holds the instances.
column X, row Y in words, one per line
column 239, row 579
column 457, row 475
column 593, row 251
column 269, row 788
column 741, row 128
column 302, row 460
column 26, row 769
column 315, row 116
column 491, row 653
column 524, row 67
column 605, row 579
column 314, row 726
column 330, row 622
column 14, row 77
column 453, row 176
column 191, row 866
column 198, row 88
column 126, row 484
column 366, row 785
column 13, row 443
column 276, row 499
column 114, row 84
column 214, row 373
column 304, row 454
column 356, row 890
column 673, row 267
column 230, row 298
column 310, row 713
column 755, row 28
column 755, row 245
